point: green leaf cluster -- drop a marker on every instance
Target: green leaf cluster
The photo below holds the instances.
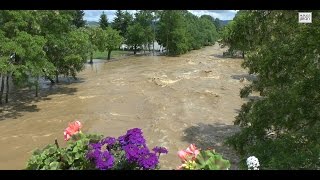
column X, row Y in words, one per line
column 71, row 157
column 210, row 160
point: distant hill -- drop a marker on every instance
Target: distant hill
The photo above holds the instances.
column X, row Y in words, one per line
column 95, row 23
column 224, row 22
column 92, row 23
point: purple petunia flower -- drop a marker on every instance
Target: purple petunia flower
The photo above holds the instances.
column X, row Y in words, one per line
column 136, row 139
column 143, row 151
column 148, row 161
column 134, row 131
column 94, row 154
column 160, row 150
column 122, row 140
column 133, row 136
column 131, row 152
column 96, row 145
column 110, row 141
column 105, row 161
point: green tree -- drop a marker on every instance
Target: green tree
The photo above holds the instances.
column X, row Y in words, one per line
column 6, row 67
column 77, row 43
column 33, row 59
column 118, row 21
column 103, row 21
column 145, row 19
column 135, row 36
column 122, row 22
column 172, row 32
column 108, row 39
column 181, row 31
column 239, row 35
column 92, row 34
column 209, row 30
column 55, row 27
column 281, row 127
column 78, row 20
column 22, row 50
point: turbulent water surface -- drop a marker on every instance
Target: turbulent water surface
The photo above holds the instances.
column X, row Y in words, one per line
column 174, row 100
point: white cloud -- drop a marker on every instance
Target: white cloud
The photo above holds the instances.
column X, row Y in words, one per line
column 94, row 15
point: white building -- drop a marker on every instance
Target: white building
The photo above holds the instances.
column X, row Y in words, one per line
column 156, row 46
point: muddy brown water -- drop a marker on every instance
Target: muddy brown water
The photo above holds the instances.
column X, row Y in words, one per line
column 174, row 100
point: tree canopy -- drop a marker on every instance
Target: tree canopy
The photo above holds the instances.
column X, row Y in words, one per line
column 50, row 43
column 181, row 31
column 103, row 21
column 108, row 39
column 285, row 119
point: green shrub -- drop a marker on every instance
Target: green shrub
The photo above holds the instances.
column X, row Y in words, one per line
column 53, row 157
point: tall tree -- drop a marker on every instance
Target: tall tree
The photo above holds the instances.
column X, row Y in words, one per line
column 103, row 21
column 117, row 22
column 172, row 32
column 217, row 23
column 145, row 19
column 77, row 46
column 238, row 34
column 92, row 34
column 23, row 58
column 122, row 21
column 55, row 26
column 135, row 36
column 78, row 20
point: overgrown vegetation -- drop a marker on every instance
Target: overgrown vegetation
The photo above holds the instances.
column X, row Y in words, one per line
column 47, row 44
column 37, row 44
column 181, row 31
column 282, row 127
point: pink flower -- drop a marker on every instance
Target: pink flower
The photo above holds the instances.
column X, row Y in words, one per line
column 183, row 155
column 192, row 149
column 72, row 129
column 190, row 153
column 180, row 167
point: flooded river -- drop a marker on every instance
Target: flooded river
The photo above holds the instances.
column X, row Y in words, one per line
column 174, row 100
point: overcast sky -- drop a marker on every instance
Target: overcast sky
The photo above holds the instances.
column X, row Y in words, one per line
column 94, row 15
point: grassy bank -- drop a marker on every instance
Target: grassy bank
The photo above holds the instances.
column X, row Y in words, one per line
column 114, row 54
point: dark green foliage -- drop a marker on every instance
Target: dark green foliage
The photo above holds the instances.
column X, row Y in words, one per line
column 282, row 127
column 37, row 44
column 108, row 39
column 145, row 19
column 181, row 31
column 103, row 21
column 78, row 20
column 135, row 36
column 72, row 157
column 122, row 21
